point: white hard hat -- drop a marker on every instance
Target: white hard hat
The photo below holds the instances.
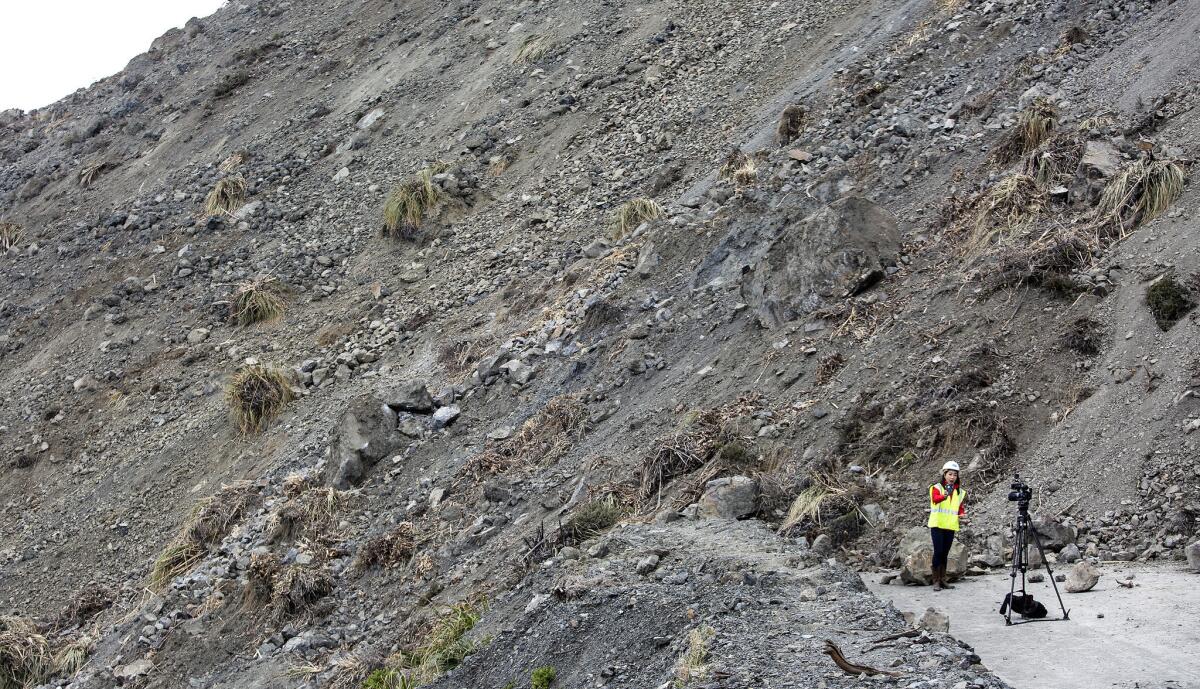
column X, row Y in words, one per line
column 950, row 466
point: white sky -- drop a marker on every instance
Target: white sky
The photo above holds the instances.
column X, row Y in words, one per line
column 49, row 48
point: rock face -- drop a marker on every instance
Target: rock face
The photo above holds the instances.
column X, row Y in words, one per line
column 366, row 433
column 836, row 252
column 916, row 552
column 1083, row 577
column 732, row 497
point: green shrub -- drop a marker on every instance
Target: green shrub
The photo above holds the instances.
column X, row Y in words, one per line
column 1168, row 301
column 542, row 677
column 593, row 519
column 411, row 202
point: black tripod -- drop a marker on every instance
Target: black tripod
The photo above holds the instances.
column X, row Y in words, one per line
column 1023, row 534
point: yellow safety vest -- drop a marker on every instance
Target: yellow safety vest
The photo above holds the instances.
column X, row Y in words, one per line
column 944, row 515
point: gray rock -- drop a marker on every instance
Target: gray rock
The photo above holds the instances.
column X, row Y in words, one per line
column 647, row 564
column 648, row 260
column 366, row 433
column 519, row 372
column 916, row 553
column 197, row 335
column 1053, row 534
column 1083, row 577
column 822, row 545
column 412, row 396
column 1069, row 554
column 935, row 621
column 1193, row 556
column 732, row 497
column 445, row 416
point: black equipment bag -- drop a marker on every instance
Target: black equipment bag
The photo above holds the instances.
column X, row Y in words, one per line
column 1024, row 605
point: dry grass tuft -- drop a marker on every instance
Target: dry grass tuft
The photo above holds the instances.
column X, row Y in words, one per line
column 1005, row 210
column 307, row 513
column 227, row 196
column 411, row 202
column 208, row 523
column 90, row 173
column 693, row 665
column 264, row 569
column 533, row 48
column 1046, row 263
column 1032, row 128
column 389, row 549
column 1142, row 192
column 1085, row 336
column 26, row 659
column 829, row 367
column 444, row 647
column 791, row 124
column 592, row 519
column 256, row 301
column 256, row 395
column 11, row 235
column 233, row 162
column 632, row 214
column 296, row 588
column 544, row 439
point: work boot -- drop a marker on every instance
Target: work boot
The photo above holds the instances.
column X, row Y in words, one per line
column 945, row 582
column 937, row 580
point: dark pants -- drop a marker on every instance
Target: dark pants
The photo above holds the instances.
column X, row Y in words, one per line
column 942, row 538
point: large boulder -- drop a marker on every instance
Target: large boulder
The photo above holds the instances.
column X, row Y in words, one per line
column 916, row 554
column 365, row 434
column 732, row 497
column 412, row 396
column 1053, row 534
column 1083, row 577
column 1193, row 556
column 837, row 252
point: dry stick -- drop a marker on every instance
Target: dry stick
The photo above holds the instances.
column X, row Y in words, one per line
column 849, row 668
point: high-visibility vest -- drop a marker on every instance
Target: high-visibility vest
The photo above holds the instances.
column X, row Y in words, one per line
column 944, row 515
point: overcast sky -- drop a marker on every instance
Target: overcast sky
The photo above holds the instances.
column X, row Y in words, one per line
column 49, row 48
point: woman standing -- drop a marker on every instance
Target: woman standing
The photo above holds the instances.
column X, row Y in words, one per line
column 945, row 508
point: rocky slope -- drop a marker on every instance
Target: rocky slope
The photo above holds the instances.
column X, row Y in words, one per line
column 891, row 235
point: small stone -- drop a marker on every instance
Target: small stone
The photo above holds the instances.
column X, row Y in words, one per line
column 647, row 564
column 1083, row 577
column 197, row 335
column 445, row 416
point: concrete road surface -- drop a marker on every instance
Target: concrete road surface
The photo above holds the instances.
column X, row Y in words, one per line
column 1147, row 637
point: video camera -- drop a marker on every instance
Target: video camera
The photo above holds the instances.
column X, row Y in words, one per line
column 1021, row 493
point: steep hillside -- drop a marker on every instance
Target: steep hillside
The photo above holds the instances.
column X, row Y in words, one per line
column 608, row 323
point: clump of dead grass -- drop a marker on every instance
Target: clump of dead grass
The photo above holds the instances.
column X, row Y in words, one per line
column 592, row 519
column 411, row 202
column 388, row 549
column 1047, row 263
column 209, row 522
column 693, row 665
column 264, row 569
column 532, row 48
column 11, row 235
column 1142, row 192
column 308, row 513
column 631, row 214
column 1032, row 128
column 1003, row 211
column 257, row 301
column 791, row 124
column 26, row 659
column 296, row 588
column 543, row 439
column 1085, row 336
column 829, row 367
column 257, row 394
column 88, row 174
column 228, row 195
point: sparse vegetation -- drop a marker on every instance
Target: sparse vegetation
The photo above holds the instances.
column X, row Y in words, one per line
column 1085, row 335
column 296, row 588
column 388, row 549
column 444, row 647
column 1032, row 128
column 542, row 677
column 533, row 48
column 207, row 524
column 692, row 665
column 411, row 202
column 89, row 173
column 1006, row 209
column 543, row 439
column 229, row 83
column 256, row 395
column 387, row 678
column 264, row 569
column 228, row 195
column 829, row 367
column 1045, row 263
column 11, row 235
column 1142, row 192
column 307, row 513
column 256, row 301
column 632, row 214
column 592, row 519
column 1168, row 301
column 28, row 659
column 791, row 124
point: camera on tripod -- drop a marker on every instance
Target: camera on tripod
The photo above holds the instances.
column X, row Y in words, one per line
column 1021, row 493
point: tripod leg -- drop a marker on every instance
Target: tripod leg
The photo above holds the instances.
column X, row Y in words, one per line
column 1017, row 564
column 1046, row 563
